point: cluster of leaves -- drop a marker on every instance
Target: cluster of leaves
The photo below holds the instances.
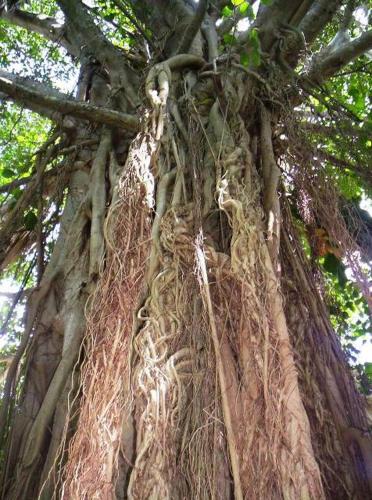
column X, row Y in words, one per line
column 344, row 105
column 28, row 54
column 350, row 317
column 348, row 309
column 345, row 127
column 242, row 7
column 343, row 113
column 338, row 122
column 119, row 26
column 245, row 14
column 363, row 375
column 21, row 134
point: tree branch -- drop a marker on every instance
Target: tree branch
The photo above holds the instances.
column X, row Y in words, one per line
column 23, row 181
column 87, row 37
column 193, row 28
column 330, row 130
column 46, row 26
column 270, row 18
column 56, row 105
column 348, row 15
column 167, row 19
column 91, row 42
column 12, row 86
column 324, row 68
column 301, row 12
column 317, row 17
column 121, row 6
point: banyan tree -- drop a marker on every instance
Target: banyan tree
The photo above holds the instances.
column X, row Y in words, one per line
column 172, row 221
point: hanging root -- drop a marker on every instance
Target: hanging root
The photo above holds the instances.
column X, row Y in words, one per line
column 138, row 265
column 228, row 390
column 334, row 406
column 198, row 394
column 274, row 449
column 98, row 203
column 163, row 363
column 319, row 204
column 92, row 463
column 271, row 174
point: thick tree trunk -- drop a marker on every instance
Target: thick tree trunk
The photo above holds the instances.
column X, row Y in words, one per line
column 209, row 368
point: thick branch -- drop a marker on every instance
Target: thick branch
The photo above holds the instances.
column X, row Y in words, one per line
column 317, row 17
column 98, row 203
column 29, row 83
column 91, row 42
column 55, row 105
column 15, row 87
column 301, row 12
column 324, row 68
column 167, row 19
column 271, row 176
column 271, row 18
column 87, row 36
column 193, row 27
column 348, row 15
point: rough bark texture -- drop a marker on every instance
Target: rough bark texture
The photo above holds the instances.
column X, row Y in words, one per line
column 177, row 346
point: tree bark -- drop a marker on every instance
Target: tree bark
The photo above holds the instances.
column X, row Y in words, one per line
column 177, row 346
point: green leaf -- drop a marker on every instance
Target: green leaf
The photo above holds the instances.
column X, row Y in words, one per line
column 8, row 173
column 23, row 168
column 30, row 220
column 16, row 193
column 226, row 11
column 256, row 58
column 243, row 7
column 334, row 266
column 229, row 39
column 237, row 2
column 109, row 17
column 254, row 39
column 244, row 59
column 368, row 369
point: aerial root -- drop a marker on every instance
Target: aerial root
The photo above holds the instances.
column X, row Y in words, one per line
column 323, row 208
column 208, row 369
column 274, row 452
column 91, row 468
